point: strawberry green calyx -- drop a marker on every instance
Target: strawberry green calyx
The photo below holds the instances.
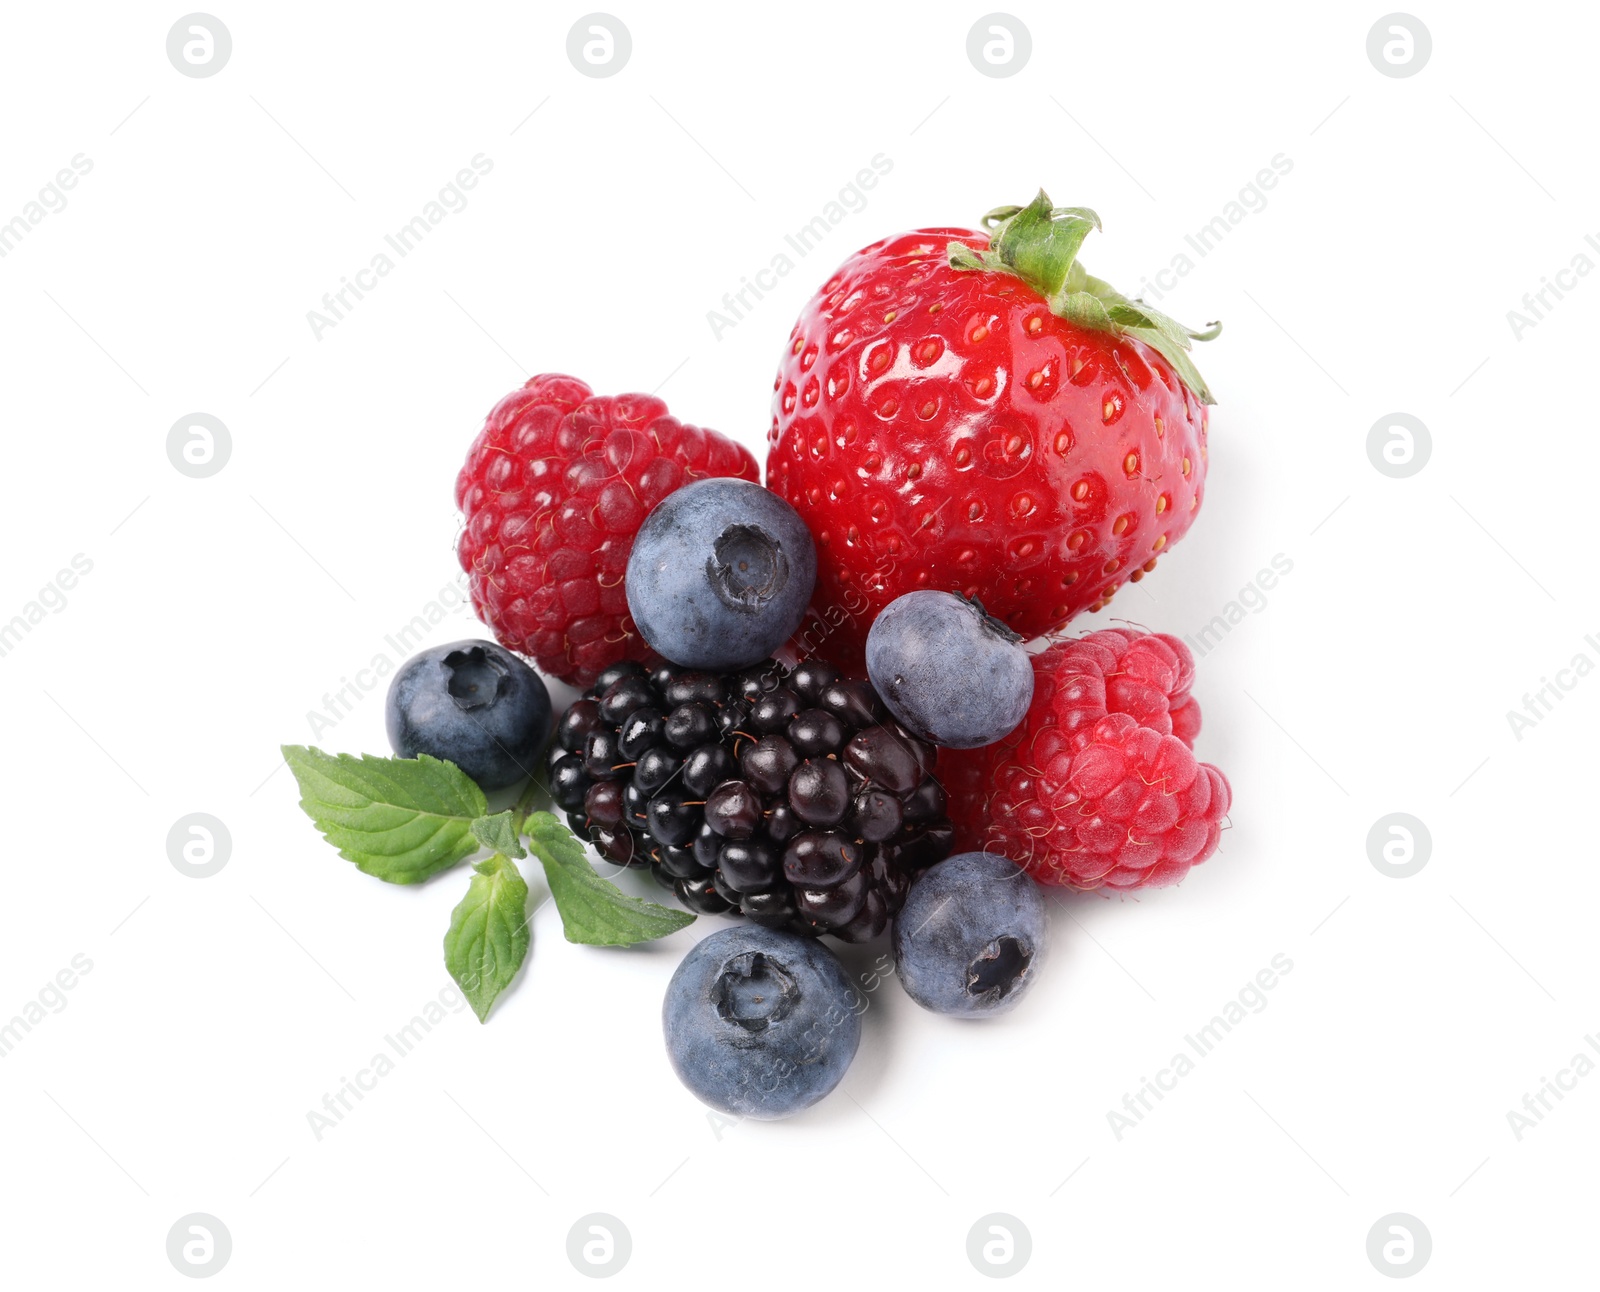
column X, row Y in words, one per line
column 1039, row 243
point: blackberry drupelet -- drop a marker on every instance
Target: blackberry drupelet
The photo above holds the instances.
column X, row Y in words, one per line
column 788, row 796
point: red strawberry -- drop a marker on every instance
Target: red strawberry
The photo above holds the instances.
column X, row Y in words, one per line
column 553, row 491
column 976, row 413
column 1098, row 788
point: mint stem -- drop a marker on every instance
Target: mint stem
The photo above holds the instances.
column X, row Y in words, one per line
column 523, row 807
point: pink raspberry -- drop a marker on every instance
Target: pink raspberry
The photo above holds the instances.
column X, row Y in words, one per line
column 553, row 491
column 1099, row 786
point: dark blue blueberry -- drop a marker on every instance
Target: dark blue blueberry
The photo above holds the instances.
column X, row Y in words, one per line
column 761, row 1023
column 720, row 575
column 474, row 704
column 947, row 670
column 971, row 935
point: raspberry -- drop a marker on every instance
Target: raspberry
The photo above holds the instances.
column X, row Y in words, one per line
column 552, row 493
column 793, row 799
column 1099, row 786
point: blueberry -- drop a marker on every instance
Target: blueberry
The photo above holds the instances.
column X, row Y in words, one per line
column 720, row 575
column 971, row 935
column 474, row 704
column 947, row 670
column 761, row 1023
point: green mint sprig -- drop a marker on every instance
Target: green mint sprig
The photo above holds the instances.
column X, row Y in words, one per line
column 406, row 820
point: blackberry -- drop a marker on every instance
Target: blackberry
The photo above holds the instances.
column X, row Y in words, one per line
column 788, row 796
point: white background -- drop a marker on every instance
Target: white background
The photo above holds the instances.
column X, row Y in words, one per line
column 219, row 611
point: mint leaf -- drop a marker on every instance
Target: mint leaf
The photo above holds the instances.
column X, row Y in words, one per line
column 488, row 935
column 594, row 910
column 498, row 834
column 400, row 819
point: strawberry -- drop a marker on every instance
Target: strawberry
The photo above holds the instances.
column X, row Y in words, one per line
column 974, row 412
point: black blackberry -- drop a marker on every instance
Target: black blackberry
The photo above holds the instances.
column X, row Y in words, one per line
column 790, row 797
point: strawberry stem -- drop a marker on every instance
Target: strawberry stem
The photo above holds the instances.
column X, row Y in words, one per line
column 1039, row 243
